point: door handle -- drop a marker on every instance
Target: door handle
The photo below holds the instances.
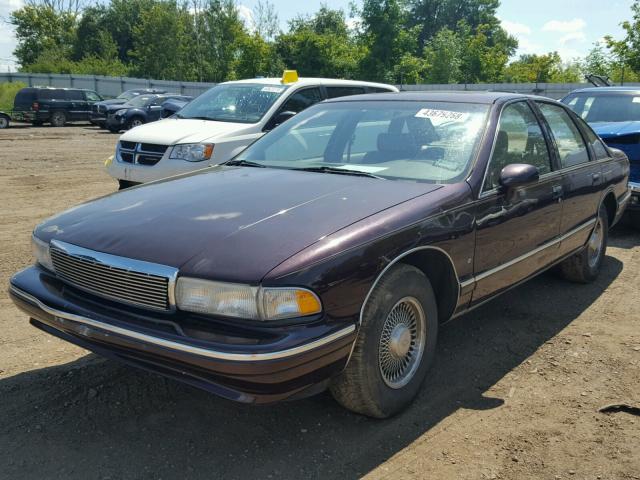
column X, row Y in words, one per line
column 557, row 192
column 595, row 177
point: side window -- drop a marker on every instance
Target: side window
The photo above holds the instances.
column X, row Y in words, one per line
column 378, row 90
column 334, row 92
column 301, row 100
column 75, row 95
column 92, row 96
column 519, row 140
column 599, row 149
column 571, row 146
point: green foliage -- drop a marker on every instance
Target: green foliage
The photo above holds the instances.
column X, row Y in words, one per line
column 319, row 46
column 8, row 92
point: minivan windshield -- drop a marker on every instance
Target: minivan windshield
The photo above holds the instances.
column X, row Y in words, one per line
column 423, row 141
column 623, row 107
column 234, row 102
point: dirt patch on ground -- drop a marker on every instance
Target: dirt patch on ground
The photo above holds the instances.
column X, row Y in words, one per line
column 514, row 394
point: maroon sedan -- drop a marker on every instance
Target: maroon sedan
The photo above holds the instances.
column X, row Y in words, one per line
column 329, row 253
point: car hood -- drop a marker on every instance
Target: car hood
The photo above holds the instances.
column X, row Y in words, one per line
column 182, row 130
column 226, row 223
column 615, row 129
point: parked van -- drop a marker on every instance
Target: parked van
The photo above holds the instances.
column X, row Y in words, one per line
column 38, row 105
column 220, row 123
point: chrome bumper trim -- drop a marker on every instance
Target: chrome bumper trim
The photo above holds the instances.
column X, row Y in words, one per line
column 183, row 347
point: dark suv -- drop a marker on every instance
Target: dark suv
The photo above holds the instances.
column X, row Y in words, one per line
column 54, row 105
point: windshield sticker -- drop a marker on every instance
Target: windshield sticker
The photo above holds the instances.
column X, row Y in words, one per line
column 362, row 168
column 636, row 100
column 272, row 89
column 433, row 114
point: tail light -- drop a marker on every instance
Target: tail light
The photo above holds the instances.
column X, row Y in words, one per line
column 35, row 106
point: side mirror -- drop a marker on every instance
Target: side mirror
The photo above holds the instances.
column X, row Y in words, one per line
column 280, row 118
column 518, row 175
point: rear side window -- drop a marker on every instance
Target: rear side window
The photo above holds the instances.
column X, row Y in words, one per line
column 301, row 100
column 53, row 94
column 334, row 92
column 571, row 146
column 75, row 95
column 26, row 95
column 519, row 140
column 378, row 90
column 598, row 147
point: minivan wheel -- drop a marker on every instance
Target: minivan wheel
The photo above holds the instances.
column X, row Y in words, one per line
column 58, row 119
column 394, row 348
column 584, row 266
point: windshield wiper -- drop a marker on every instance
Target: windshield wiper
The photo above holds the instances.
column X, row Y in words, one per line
column 197, row 118
column 245, row 163
column 340, row 171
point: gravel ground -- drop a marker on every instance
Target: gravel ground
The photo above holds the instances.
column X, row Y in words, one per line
column 514, row 393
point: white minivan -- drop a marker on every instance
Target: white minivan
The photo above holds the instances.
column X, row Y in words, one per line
column 220, row 123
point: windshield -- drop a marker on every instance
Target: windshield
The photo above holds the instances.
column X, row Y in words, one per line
column 234, row 102
column 605, row 108
column 418, row 141
column 128, row 95
column 140, row 100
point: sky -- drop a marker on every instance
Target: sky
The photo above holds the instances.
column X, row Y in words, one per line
column 569, row 27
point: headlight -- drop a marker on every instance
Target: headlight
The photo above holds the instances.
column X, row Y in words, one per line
column 41, row 252
column 244, row 301
column 119, row 113
column 192, row 152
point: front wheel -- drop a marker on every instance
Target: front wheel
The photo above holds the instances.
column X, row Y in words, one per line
column 134, row 122
column 584, row 266
column 395, row 345
column 4, row 121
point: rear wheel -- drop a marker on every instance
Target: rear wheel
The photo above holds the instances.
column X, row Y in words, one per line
column 395, row 346
column 584, row 266
column 58, row 119
column 4, row 121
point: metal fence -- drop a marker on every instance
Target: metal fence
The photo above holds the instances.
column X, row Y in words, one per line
column 113, row 86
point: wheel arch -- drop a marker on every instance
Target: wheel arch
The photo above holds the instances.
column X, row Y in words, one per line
column 438, row 267
column 611, row 205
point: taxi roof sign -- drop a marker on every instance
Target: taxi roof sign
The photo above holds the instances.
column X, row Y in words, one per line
column 289, row 76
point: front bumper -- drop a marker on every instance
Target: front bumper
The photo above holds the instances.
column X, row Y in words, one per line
column 288, row 362
column 98, row 118
column 115, row 121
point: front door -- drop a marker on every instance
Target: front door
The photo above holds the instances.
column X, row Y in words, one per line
column 515, row 230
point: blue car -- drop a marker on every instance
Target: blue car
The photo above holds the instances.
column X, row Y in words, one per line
column 139, row 110
column 614, row 114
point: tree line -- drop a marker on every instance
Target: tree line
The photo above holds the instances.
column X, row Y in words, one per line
column 394, row 41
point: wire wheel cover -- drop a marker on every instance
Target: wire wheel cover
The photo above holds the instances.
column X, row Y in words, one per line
column 402, row 342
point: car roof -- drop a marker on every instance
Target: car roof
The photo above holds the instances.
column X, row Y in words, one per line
column 484, row 97
column 308, row 81
column 603, row 90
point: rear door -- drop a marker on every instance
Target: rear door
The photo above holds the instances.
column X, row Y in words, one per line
column 297, row 101
column 517, row 230
column 582, row 175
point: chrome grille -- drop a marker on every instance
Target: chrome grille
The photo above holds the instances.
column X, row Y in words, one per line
column 109, row 276
column 141, row 153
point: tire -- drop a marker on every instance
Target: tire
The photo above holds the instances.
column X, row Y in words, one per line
column 584, row 266
column 4, row 121
column 368, row 385
column 134, row 122
column 58, row 119
column 37, row 123
column 114, row 129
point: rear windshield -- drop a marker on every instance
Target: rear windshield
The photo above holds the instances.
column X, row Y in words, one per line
column 431, row 142
column 26, row 95
column 605, row 108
